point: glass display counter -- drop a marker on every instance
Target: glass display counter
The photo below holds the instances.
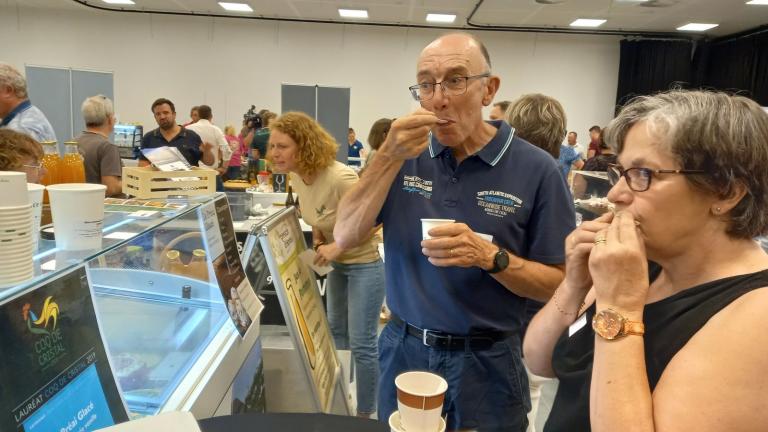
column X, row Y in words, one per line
column 169, row 337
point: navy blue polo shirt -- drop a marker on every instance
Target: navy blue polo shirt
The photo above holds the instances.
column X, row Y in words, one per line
column 509, row 189
column 187, row 141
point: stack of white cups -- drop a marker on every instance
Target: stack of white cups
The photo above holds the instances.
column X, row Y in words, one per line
column 17, row 244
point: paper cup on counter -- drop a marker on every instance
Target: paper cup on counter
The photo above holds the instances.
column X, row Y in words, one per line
column 396, row 424
column 13, row 188
column 428, row 224
column 78, row 215
column 35, row 192
column 420, row 397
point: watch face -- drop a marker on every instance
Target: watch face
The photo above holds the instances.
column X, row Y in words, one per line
column 501, row 259
column 607, row 324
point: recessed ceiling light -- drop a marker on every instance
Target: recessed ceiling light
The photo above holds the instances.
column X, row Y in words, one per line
column 236, row 7
column 583, row 22
column 697, row 27
column 758, row 2
column 353, row 13
column 441, row 18
column 124, row 2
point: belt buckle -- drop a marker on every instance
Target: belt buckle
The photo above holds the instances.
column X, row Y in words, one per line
column 424, row 336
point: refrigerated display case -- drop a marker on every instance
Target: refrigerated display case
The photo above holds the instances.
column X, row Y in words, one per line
column 169, row 336
column 128, row 139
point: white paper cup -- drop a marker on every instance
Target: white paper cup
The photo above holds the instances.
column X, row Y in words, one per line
column 420, row 397
column 35, row 192
column 428, row 224
column 396, row 425
column 78, row 215
column 14, row 210
column 13, row 188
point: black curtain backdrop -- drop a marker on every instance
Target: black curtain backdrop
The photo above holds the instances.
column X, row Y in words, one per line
column 651, row 66
column 736, row 65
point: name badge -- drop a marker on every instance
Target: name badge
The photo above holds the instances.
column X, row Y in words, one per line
column 578, row 324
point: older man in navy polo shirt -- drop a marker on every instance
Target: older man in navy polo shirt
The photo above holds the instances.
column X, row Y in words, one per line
column 458, row 299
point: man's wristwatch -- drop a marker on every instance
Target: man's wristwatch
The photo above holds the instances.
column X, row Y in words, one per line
column 500, row 261
column 610, row 325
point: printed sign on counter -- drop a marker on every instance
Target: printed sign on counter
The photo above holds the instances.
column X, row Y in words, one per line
column 297, row 288
column 55, row 373
column 242, row 303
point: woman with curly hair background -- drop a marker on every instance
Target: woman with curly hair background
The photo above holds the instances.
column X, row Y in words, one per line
column 300, row 146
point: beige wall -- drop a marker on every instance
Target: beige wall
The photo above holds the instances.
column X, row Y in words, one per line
column 231, row 63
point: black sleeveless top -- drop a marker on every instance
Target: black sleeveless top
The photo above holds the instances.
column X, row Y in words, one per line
column 669, row 324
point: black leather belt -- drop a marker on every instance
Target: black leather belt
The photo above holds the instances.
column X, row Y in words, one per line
column 445, row 341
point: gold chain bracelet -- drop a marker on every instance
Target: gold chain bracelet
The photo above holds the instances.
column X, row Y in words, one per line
column 559, row 309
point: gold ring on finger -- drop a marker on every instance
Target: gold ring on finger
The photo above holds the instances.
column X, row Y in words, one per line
column 451, row 252
column 600, row 240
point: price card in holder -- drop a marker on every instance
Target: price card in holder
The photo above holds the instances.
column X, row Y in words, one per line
column 55, row 373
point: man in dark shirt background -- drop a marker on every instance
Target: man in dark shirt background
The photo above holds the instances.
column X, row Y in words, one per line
column 172, row 135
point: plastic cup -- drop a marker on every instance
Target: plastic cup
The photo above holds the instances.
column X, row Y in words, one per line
column 78, row 215
column 420, row 397
column 13, row 188
column 35, row 192
column 428, row 224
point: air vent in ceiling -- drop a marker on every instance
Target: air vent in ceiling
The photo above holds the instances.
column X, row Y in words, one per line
column 550, row 2
column 659, row 3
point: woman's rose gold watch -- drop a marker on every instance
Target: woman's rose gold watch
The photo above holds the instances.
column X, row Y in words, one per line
column 611, row 325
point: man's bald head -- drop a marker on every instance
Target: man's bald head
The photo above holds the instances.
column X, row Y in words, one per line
column 463, row 41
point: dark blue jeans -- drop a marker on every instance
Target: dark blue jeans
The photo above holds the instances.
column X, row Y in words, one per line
column 487, row 389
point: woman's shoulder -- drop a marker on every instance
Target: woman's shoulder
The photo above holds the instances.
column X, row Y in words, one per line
column 723, row 366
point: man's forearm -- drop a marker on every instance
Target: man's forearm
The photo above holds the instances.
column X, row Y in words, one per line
column 359, row 207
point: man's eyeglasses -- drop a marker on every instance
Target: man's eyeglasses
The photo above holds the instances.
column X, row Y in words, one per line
column 639, row 179
column 453, row 86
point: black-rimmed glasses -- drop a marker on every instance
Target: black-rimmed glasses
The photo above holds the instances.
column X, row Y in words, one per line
column 639, row 179
column 453, row 86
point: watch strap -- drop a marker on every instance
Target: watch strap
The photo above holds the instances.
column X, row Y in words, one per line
column 634, row 328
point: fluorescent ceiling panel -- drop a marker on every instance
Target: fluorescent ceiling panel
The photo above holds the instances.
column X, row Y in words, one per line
column 353, row 13
column 697, row 27
column 236, row 7
column 584, row 22
column 441, row 18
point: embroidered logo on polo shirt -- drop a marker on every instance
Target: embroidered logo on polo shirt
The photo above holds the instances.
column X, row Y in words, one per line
column 320, row 211
column 498, row 204
column 416, row 184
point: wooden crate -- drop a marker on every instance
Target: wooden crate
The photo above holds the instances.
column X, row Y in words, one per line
column 148, row 182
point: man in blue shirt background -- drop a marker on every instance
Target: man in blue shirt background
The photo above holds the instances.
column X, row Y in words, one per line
column 16, row 111
column 569, row 157
column 355, row 147
column 458, row 299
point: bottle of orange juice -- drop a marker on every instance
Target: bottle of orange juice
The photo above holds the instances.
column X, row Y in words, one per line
column 50, row 162
column 72, row 165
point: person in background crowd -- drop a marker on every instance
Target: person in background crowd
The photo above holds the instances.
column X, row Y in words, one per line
column 171, row 134
column 16, row 111
column 458, row 299
column 541, row 121
column 300, row 146
column 659, row 323
column 20, row 152
column 211, row 133
column 194, row 116
column 594, row 142
column 602, row 161
column 572, row 141
column 498, row 110
column 102, row 158
column 376, row 137
column 569, row 157
column 258, row 139
column 355, row 148
column 237, row 146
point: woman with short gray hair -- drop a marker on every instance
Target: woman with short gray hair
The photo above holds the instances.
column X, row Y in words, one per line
column 672, row 283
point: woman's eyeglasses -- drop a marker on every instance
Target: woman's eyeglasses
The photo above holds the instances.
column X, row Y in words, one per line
column 639, row 179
